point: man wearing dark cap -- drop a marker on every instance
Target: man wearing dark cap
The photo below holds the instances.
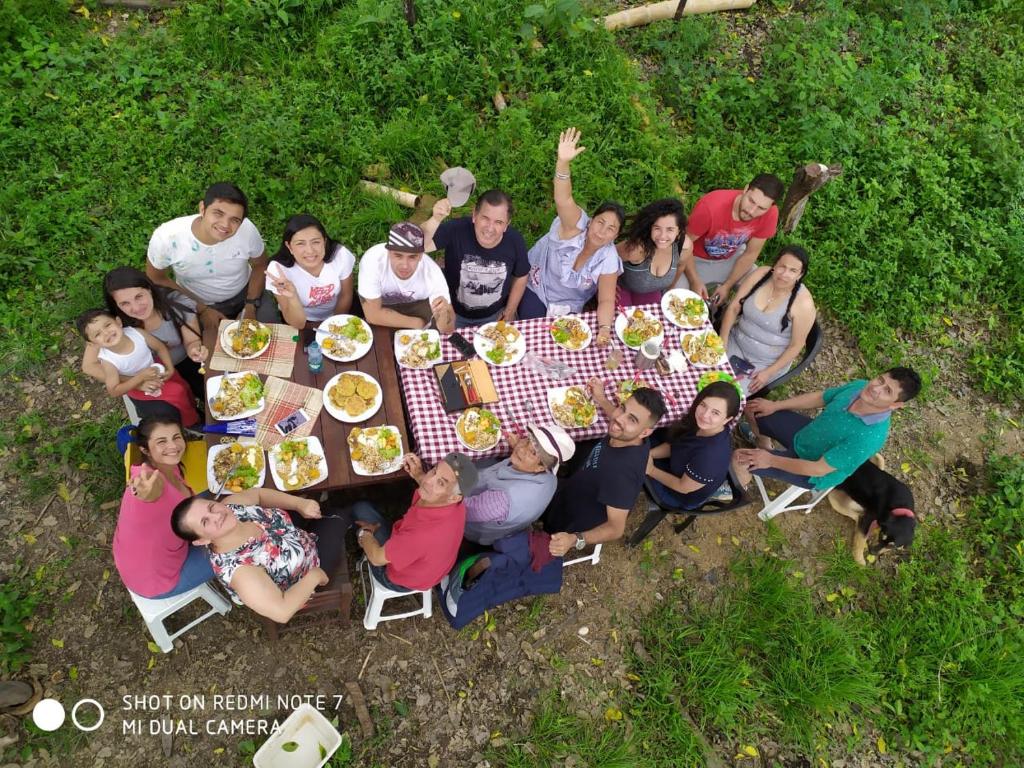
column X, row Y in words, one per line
column 421, row 547
column 485, row 260
column 399, row 288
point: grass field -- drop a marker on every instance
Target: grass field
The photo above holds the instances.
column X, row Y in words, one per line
column 113, row 122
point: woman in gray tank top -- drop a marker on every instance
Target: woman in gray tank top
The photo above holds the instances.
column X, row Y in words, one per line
column 766, row 324
column 651, row 258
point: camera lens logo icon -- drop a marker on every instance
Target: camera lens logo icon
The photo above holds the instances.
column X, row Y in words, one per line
column 49, row 715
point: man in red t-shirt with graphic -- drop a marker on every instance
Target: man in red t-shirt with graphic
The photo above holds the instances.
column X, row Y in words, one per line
column 421, row 547
column 728, row 228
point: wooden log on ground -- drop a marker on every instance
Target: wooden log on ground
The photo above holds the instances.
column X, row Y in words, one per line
column 408, row 199
column 670, row 9
column 806, row 179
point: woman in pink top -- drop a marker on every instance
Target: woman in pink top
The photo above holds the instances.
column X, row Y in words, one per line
column 152, row 560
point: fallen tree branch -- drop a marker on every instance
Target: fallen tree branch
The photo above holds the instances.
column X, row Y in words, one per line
column 408, row 199
column 670, row 9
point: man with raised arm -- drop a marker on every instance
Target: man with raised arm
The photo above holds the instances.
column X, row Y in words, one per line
column 590, row 507
column 485, row 260
column 729, row 227
column 216, row 256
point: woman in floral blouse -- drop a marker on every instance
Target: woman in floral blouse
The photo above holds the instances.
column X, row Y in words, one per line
column 270, row 562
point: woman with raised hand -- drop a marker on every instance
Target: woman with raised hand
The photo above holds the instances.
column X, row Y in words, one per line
column 766, row 325
column 654, row 253
column 576, row 258
column 152, row 560
column 168, row 315
column 693, row 461
column 311, row 274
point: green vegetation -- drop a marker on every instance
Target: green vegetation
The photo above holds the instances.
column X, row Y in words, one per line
column 927, row 656
column 18, row 602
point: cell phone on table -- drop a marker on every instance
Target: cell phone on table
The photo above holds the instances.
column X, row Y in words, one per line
column 291, row 422
column 741, row 366
column 460, row 343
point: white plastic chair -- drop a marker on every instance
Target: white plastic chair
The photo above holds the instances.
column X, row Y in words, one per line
column 155, row 611
column 133, row 413
column 784, row 502
column 379, row 594
column 594, row 557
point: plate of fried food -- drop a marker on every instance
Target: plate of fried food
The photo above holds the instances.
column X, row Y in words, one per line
column 638, row 326
column 684, row 308
column 499, row 343
column 703, row 349
column 571, row 407
column 235, row 395
column 375, row 450
column 344, row 337
column 417, row 349
column 478, row 429
column 571, row 333
column 352, row 396
column 235, row 467
column 298, row 463
column 245, row 339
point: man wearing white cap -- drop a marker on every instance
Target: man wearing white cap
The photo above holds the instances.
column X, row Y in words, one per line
column 485, row 260
column 399, row 288
column 513, row 493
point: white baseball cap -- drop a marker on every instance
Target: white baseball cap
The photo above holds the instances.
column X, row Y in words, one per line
column 554, row 441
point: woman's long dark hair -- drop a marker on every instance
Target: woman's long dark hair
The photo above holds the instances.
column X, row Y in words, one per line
column 642, row 221
column 801, row 255
column 163, row 304
column 687, row 426
column 296, row 224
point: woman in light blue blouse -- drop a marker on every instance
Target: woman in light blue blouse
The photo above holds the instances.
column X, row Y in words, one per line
column 577, row 257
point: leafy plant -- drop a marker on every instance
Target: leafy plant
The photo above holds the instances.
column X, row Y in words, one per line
column 18, row 603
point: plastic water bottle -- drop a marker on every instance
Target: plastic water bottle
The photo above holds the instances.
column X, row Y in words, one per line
column 316, row 357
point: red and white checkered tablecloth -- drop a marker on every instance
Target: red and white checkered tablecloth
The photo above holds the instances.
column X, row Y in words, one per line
column 519, row 387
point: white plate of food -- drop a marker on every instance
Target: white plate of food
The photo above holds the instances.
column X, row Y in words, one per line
column 684, row 308
column 375, row 450
column 418, row 349
column 640, row 326
column 499, row 343
column 344, row 338
column 235, row 395
column 571, row 333
column 297, row 463
column 572, row 407
column 245, row 339
column 235, row 467
column 704, row 349
column 352, row 396
column 627, row 387
column 478, row 429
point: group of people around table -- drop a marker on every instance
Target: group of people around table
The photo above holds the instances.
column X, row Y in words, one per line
column 272, row 550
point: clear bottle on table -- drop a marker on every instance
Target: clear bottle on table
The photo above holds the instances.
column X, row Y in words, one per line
column 316, row 357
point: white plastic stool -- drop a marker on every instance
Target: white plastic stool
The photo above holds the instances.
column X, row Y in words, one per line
column 379, row 594
column 783, row 502
column 154, row 611
column 594, row 557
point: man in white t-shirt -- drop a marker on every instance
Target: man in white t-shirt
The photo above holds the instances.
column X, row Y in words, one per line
column 217, row 256
column 400, row 288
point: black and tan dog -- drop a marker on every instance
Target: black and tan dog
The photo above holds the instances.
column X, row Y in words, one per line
column 872, row 497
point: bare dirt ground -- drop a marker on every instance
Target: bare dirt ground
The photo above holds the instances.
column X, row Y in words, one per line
column 436, row 697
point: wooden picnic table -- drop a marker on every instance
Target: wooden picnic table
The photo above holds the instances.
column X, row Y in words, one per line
column 379, row 362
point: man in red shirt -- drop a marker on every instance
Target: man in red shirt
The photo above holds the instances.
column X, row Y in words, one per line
column 728, row 228
column 421, row 547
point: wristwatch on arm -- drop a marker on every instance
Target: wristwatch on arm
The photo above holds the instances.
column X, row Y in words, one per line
column 580, row 541
column 255, row 302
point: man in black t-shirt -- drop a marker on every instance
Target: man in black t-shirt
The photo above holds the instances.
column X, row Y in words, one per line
column 485, row 260
column 590, row 507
